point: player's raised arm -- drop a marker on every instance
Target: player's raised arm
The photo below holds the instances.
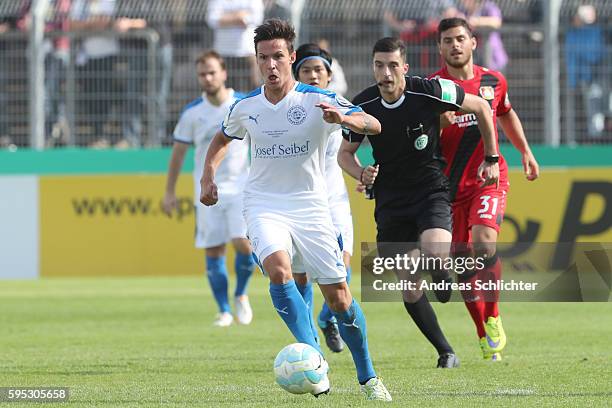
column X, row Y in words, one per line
column 358, row 121
column 512, row 127
column 488, row 172
column 216, row 152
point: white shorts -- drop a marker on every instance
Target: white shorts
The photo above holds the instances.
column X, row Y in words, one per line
column 313, row 245
column 343, row 221
column 220, row 223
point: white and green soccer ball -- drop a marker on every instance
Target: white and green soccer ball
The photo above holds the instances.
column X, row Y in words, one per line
column 300, row 369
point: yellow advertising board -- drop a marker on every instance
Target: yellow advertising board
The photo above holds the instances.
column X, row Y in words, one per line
column 113, row 224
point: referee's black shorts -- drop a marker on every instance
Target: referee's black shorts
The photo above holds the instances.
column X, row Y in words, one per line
column 407, row 224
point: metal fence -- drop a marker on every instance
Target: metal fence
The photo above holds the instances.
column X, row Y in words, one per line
column 134, row 97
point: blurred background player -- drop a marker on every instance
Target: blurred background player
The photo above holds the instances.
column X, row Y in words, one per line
column 478, row 211
column 215, row 226
column 413, row 212
column 285, row 199
column 312, row 66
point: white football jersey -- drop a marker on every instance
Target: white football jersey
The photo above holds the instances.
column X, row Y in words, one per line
column 198, row 124
column 336, row 187
column 288, row 142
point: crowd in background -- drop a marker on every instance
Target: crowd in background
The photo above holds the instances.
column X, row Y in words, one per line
column 109, row 66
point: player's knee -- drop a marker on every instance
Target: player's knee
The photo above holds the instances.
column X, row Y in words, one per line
column 279, row 274
column 436, row 249
column 340, row 300
column 484, row 242
column 300, row 279
column 411, row 296
column 242, row 245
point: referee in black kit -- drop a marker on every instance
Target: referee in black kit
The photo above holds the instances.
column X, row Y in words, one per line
column 411, row 191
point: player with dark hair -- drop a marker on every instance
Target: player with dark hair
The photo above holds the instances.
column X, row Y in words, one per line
column 216, row 226
column 477, row 211
column 411, row 190
column 285, row 199
column 313, row 66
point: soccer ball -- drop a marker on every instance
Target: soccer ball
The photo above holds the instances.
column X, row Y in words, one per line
column 300, row 369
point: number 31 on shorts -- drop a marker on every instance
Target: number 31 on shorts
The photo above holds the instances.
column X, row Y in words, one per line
column 488, row 207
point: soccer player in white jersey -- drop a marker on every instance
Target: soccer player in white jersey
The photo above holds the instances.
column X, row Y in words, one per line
column 285, row 199
column 215, row 226
column 313, row 66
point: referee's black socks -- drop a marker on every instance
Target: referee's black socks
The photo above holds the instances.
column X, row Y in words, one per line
column 425, row 318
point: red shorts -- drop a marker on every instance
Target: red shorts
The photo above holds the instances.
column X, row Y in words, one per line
column 485, row 207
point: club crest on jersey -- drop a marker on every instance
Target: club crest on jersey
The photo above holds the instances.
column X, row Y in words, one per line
column 487, row 92
column 296, row 115
column 421, row 142
column 343, row 102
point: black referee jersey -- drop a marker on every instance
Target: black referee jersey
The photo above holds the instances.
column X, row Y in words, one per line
column 408, row 147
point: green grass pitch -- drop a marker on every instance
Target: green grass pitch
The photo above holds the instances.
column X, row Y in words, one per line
column 149, row 342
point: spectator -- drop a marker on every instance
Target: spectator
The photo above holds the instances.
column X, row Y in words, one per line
column 485, row 17
column 97, row 58
column 401, row 20
column 414, row 26
column 280, row 9
column 337, row 83
column 134, row 52
column 233, row 23
column 164, row 70
column 56, row 61
column 57, row 53
column 6, row 24
column 584, row 51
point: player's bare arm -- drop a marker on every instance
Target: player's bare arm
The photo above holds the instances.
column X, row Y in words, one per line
column 349, row 162
column 488, row 172
column 513, row 128
column 447, row 119
column 358, row 122
column 216, row 152
column 174, row 170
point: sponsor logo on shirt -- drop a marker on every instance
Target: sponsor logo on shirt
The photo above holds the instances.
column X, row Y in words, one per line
column 465, row 120
column 296, row 115
column 254, row 118
column 281, row 151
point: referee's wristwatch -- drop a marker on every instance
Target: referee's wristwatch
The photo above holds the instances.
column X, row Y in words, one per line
column 492, row 158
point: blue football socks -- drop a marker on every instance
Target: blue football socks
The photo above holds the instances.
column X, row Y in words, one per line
column 308, row 296
column 244, row 265
column 217, row 277
column 352, row 327
column 291, row 308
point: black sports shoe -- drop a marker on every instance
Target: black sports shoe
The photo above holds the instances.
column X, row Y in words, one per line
column 448, row 360
column 443, row 295
column 332, row 337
